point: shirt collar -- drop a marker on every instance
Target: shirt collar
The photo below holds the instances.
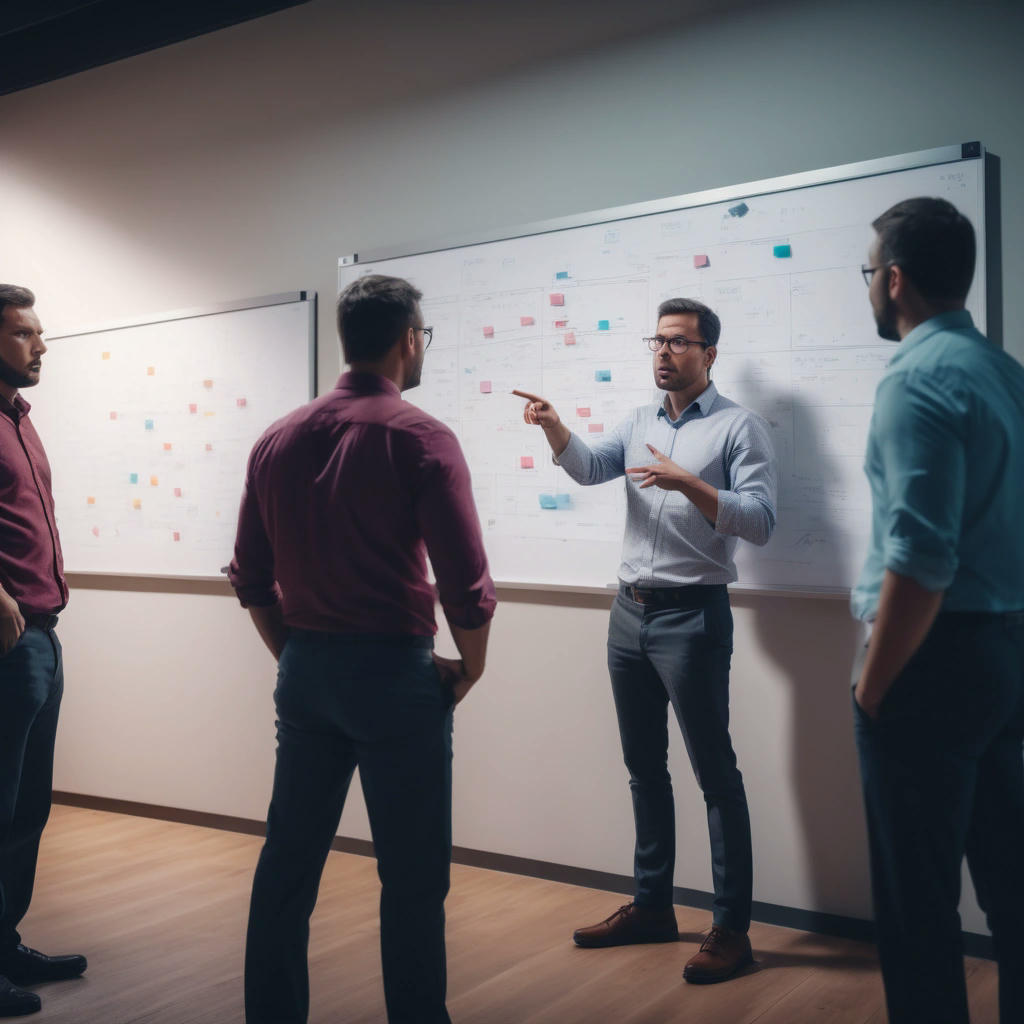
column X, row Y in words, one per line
column 958, row 320
column 702, row 402
column 16, row 409
column 367, row 384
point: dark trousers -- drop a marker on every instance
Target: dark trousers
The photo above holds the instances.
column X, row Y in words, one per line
column 943, row 776
column 31, row 686
column 375, row 702
column 680, row 655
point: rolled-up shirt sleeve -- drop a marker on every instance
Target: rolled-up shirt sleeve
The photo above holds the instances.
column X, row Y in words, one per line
column 598, row 463
column 450, row 527
column 746, row 509
column 251, row 571
column 918, row 428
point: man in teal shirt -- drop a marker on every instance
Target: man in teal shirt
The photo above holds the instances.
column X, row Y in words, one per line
column 939, row 686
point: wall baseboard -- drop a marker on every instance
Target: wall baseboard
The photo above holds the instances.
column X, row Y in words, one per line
column 814, row 921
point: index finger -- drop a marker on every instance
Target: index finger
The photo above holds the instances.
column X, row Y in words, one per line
column 529, row 397
column 654, row 451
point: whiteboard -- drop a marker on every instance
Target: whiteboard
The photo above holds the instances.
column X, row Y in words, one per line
column 148, row 426
column 560, row 308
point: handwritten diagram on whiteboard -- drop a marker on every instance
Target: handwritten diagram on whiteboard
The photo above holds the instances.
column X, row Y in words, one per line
column 148, row 429
column 562, row 313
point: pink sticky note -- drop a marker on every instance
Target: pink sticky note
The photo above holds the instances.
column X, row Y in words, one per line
column 526, row 321
column 240, row 402
column 177, row 492
column 583, row 411
column 701, row 261
column 113, row 415
column 595, row 428
column 167, row 446
column 485, row 387
column 570, row 337
column 95, row 531
column 193, row 407
column 526, row 462
column 176, row 535
column 559, row 324
column 209, row 447
column 557, row 299
column 488, row 332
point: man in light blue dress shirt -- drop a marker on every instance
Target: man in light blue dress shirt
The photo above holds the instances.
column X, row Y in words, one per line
column 701, row 475
column 939, row 687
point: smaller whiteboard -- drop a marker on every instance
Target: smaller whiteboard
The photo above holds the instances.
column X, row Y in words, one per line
column 148, row 426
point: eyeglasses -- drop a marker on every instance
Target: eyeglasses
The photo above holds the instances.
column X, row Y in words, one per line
column 869, row 272
column 677, row 344
column 428, row 336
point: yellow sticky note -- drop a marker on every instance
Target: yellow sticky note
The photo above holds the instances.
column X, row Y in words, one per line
column 136, row 503
column 106, row 355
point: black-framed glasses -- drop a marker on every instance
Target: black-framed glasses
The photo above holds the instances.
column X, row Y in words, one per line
column 677, row 344
column 428, row 336
column 869, row 272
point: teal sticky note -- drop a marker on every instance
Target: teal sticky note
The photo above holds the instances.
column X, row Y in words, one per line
column 563, row 501
column 133, row 478
column 603, row 375
column 604, row 325
column 548, row 501
column 782, row 252
column 562, row 275
column 149, row 424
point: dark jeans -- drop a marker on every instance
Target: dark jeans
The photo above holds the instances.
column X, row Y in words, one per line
column 31, row 686
column 943, row 775
column 375, row 702
column 681, row 655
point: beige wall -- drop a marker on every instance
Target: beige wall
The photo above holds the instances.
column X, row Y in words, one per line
column 246, row 162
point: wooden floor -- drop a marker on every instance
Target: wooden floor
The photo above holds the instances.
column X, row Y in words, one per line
column 160, row 911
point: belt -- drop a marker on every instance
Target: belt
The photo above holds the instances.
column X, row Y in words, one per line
column 40, row 621
column 672, row 597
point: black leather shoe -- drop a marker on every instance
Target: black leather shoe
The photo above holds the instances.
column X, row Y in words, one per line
column 16, row 1002
column 26, row 966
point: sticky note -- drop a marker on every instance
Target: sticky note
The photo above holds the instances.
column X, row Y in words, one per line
column 207, row 384
column 95, row 531
column 548, row 501
column 106, row 355
column 177, row 492
column 559, row 324
column 485, row 387
column 556, row 299
column 488, row 332
column 563, row 501
column 150, row 371
column 583, row 411
column 149, row 424
column 595, row 428
column 782, row 252
column 167, row 446
column 603, row 375
column 209, row 447
column 700, row 261
column 193, row 407
column 133, row 478
column 90, row 501
column 136, row 503
column 570, row 338
column 154, row 481
column 241, row 403
column 739, row 210
column 562, row 275
column 113, row 415
column 526, row 321
column 526, row 462
column 604, row 325
column 176, row 535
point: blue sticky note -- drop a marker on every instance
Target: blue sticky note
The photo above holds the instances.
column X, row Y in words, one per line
column 563, row 501
column 739, row 210
column 562, row 275
column 604, row 325
column 149, row 424
column 603, row 375
column 548, row 501
column 133, row 478
column 782, row 252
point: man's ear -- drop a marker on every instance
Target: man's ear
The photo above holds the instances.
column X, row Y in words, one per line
column 711, row 352
column 896, row 281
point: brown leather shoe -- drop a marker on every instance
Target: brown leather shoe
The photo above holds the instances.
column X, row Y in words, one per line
column 630, row 924
column 721, row 955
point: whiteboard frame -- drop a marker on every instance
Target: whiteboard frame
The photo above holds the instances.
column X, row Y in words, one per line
column 986, row 257
column 259, row 302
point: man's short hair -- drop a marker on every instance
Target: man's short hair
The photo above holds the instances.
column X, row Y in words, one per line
column 15, row 295
column 373, row 311
column 710, row 325
column 934, row 244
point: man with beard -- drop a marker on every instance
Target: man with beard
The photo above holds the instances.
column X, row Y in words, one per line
column 32, row 592
column 713, row 480
column 939, row 686
column 344, row 499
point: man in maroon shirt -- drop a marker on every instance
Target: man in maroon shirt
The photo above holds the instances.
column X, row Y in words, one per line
column 32, row 592
column 344, row 499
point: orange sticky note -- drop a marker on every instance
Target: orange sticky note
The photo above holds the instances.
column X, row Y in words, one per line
column 90, row 501
column 207, row 384
column 136, row 503
column 154, row 481
column 150, row 371
column 167, row 446
column 526, row 462
column 106, row 355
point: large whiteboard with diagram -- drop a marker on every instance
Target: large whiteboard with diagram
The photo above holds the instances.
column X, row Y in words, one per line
column 560, row 308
